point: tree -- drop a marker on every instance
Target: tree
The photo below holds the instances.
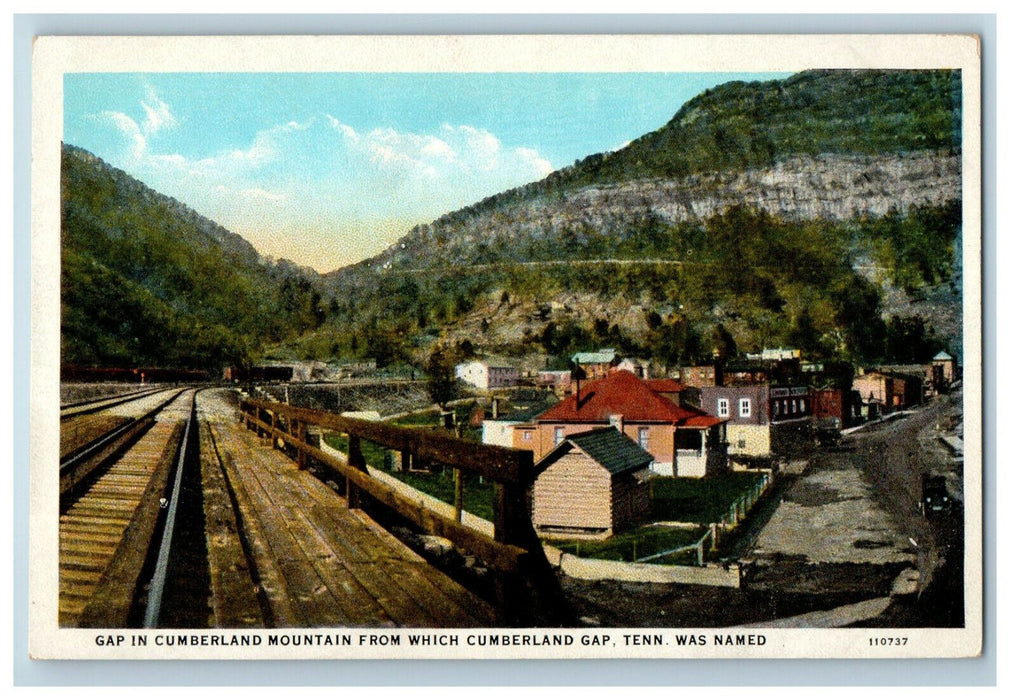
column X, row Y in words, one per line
column 440, row 376
column 909, row 340
column 724, row 342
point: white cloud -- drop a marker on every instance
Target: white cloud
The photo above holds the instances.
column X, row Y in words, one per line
column 461, row 156
column 157, row 114
column 136, row 143
column 256, row 193
column 323, row 175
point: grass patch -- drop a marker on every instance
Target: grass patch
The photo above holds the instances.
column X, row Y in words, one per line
column 430, row 418
column 374, row 454
column 636, row 544
column 698, row 500
column 478, row 495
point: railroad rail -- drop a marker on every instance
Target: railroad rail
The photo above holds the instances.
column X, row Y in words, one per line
column 88, row 441
column 77, row 408
column 525, row 587
column 110, row 514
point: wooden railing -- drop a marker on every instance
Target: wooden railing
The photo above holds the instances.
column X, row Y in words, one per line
column 526, row 590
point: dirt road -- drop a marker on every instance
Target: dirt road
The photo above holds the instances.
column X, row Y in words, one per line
column 837, row 535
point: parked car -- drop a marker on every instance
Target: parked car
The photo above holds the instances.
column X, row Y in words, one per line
column 935, row 498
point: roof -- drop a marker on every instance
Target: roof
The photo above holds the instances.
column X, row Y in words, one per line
column 665, row 386
column 599, row 357
column 943, row 355
column 522, row 413
column 612, row 450
column 623, row 393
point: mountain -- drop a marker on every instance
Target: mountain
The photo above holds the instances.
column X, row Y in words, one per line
column 821, row 211
column 145, row 280
column 810, row 210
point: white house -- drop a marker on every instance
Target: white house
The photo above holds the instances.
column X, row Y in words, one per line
column 486, row 376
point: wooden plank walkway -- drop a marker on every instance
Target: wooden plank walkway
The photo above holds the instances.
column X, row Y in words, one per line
column 319, row 563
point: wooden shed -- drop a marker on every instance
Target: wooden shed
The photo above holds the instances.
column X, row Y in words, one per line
column 593, row 484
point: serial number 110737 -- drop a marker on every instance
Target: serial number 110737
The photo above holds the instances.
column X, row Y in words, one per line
column 888, row 641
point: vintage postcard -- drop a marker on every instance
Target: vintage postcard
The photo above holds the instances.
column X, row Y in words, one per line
column 475, row 347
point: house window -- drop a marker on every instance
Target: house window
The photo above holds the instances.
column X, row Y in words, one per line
column 559, row 435
column 527, row 435
column 644, row 438
column 744, row 408
column 722, row 410
column 688, row 440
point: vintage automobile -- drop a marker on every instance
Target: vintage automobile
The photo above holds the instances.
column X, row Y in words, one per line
column 935, row 498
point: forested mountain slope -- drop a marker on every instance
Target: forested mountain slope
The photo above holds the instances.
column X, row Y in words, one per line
column 147, row 281
column 774, row 212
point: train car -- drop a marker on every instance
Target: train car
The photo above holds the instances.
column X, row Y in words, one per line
column 265, row 373
column 131, row 375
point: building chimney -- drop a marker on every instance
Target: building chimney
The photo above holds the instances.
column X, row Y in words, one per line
column 495, row 405
column 617, row 421
column 578, row 374
column 718, row 368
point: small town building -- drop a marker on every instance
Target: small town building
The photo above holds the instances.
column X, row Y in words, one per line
column 499, row 427
column 885, row 392
column 596, row 365
column 557, row 380
column 486, row 376
column 775, row 354
column 762, row 420
column 836, row 408
column 948, row 366
column 593, row 484
column 684, row 441
column 698, row 376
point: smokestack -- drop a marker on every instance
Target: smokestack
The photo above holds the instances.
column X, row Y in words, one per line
column 718, row 367
column 578, row 374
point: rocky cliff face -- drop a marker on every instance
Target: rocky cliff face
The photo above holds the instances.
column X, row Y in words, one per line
column 828, row 187
column 798, row 189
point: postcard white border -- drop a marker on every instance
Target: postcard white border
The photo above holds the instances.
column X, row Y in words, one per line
column 54, row 56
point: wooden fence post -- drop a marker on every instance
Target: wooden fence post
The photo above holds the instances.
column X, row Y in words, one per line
column 301, row 435
column 357, row 461
column 457, row 501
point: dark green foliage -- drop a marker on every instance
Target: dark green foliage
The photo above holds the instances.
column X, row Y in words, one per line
column 911, row 340
column 742, row 125
column 145, row 280
column 917, row 248
column 441, row 375
column 699, row 500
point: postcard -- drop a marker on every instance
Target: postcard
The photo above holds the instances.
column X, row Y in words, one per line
column 506, row 347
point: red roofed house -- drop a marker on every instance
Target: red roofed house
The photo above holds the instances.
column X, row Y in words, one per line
column 683, row 441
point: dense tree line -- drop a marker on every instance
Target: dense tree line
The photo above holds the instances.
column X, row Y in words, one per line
column 144, row 280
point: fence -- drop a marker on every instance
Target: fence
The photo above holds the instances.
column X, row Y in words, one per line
column 736, row 513
column 524, row 583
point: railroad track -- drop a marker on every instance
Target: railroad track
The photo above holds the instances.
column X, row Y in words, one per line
column 84, row 424
column 77, row 408
column 112, row 499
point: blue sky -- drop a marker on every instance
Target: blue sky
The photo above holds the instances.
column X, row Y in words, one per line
column 326, row 169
